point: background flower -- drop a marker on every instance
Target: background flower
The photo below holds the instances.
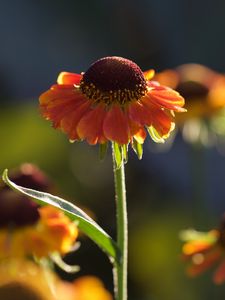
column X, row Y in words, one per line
column 25, row 280
column 203, row 250
column 204, row 91
column 25, row 228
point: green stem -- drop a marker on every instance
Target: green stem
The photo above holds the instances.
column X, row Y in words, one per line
column 120, row 270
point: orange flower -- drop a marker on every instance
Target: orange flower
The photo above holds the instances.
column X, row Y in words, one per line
column 204, row 249
column 54, row 232
column 25, row 228
column 203, row 89
column 112, row 101
column 84, row 288
column 23, row 279
column 204, row 93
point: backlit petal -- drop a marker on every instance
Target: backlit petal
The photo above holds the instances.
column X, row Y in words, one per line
column 165, row 97
column 219, row 276
column 208, row 260
column 56, row 105
column 69, row 123
column 69, row 78
column 149, row 74
column 139, row 114
column 160, row 120
column 116, row 126
column 140, row 136
column 90, row 126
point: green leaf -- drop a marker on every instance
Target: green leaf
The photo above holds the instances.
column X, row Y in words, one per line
column 85, row 223
column 118, row 155
column 124, row 149
column 138, row 148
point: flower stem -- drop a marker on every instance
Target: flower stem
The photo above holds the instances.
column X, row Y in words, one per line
column 120, row 271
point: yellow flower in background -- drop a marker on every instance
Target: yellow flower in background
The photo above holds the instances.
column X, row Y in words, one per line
column 84, row 288
column 202, row 250
column 24, row 280
column 27, row 229
column 204, row 93
column 54, row 232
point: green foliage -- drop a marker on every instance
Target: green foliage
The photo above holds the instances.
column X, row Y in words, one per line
column 138, row 148
column 118, row 154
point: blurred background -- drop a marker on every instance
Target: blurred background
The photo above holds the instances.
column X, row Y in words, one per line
column 178, row 186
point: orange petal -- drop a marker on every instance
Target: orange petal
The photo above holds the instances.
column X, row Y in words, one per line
column 208, row 260
column 149, row 74
column 90, row 126
column 140, row 136
column 139, row 114
column 161, row 121
column 194, row 247
column 57, row 92
column 136, row 131
column 69, row 78
column 56, row 105
column 116, row 126
column 69, row 123
column 219, row 276
column 165, row 98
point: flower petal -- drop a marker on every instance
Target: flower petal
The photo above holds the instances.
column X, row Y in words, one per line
column 164, row 97
column 149, row 74
column 208, row 260
column 115, row 126
column 57, row 92
column 193, row 247
column 139, row 114
column 69, row 78
column 140, row 136
column 161, row 121
column 59, row 102
column 219, row 276
column 69, row 123
column 90, row 126
column 136, row 130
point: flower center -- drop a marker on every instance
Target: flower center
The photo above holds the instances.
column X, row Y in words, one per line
column 113, row 79
column 191, row 90
column 16, row 210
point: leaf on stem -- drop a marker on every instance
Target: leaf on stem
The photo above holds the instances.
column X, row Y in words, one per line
column 85, row 223
column 118, row 154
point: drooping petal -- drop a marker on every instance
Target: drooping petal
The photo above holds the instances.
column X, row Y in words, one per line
column 201, row 262
column 115, row 126
column 57, row 92
column 140, row 136
column 69, row 78
column 69, row 123
column 90, row 126
column 58, row 103
column 219, row 276
column 138, row 113
column 164, row 97
column 136, row 131
column 160, row 120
